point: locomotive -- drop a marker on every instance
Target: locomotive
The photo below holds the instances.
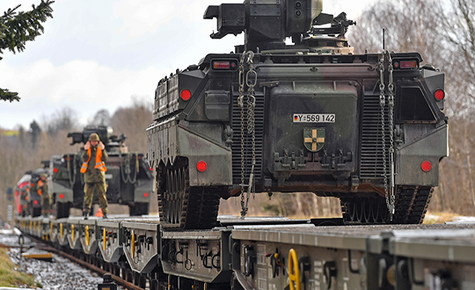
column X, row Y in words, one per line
column 129, row 179
column 311, row 116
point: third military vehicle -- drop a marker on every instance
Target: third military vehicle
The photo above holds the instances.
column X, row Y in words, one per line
column 29, row 200
column 311, row 116
column 128, row 177
column 21, row 194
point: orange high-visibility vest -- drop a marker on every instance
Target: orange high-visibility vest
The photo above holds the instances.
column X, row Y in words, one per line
column 99, row 163
column 40, row 184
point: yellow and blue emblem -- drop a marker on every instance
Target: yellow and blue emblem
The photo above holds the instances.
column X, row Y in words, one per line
column 314, row 139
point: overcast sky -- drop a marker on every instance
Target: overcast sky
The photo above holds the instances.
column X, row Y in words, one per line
column 99, row 54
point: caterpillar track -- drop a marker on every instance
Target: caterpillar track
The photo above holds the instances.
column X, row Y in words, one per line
column 181, row 206
column 411, row 207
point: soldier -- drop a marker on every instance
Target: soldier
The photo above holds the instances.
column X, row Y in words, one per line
column 94, row 168
column 42, row 189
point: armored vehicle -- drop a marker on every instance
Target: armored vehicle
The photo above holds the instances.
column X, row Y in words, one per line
column 310, row 116
column 21, row 194
column 128, row 177
column 29, row 201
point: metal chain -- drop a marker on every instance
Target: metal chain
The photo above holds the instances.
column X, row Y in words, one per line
column 241, row 104
column 382, row 104
column 392, row 198
column 126, row 174
column 388, row 189
column 250, row 80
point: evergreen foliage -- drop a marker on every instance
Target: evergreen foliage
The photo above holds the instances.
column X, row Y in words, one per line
column 16, row 28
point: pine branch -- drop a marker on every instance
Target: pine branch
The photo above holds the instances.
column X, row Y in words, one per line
column 16, row 28
column 6, row 95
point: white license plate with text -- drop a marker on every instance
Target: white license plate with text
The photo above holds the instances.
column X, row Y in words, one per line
column 314, row 118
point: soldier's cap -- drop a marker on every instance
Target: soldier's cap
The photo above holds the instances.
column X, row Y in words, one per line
column 44, row 175
column 94, row 137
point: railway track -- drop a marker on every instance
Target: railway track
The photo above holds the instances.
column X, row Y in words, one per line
column 266, row 253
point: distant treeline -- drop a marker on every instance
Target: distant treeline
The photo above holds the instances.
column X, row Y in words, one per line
column 25, row 148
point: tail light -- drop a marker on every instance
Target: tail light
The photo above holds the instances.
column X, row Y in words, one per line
column 224, row 64
column 439, row 95
column 185, row 95
column 202, row 166
column 405, row 64
column 426, row 166
column 55, row 170
column 145, row 194
column 35, row 202
column 61, row 196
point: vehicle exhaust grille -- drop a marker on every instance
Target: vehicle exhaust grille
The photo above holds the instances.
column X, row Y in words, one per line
column 236, row 146
column 371, row 163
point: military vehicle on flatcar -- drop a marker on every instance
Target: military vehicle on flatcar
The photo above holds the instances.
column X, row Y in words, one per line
column 21, row 194
column 128, row 177
column 311, row 116
column 29, row 201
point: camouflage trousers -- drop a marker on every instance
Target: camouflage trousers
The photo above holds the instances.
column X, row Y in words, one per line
column 45, row 205
column 101, row 189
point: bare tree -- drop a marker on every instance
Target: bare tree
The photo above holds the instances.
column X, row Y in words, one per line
column 132, row 121
column 412, row 25
column 64, row 119
column 443, row 32
column 102, row 117
column 18, row 156
column 459, row 30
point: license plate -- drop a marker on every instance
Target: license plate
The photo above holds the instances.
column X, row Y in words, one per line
column 108, row 176
column 314, row 118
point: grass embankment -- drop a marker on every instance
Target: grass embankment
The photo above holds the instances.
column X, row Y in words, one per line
column 9, row 277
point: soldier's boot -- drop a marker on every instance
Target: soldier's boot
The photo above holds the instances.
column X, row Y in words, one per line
column 86, row 214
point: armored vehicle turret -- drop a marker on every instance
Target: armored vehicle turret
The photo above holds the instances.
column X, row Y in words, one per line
column 311, row 116
column 128, row 177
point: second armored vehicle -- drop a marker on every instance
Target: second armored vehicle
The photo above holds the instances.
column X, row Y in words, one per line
column 128, row 177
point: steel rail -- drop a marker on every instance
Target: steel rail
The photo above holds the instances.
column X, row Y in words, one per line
column 118, row 279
